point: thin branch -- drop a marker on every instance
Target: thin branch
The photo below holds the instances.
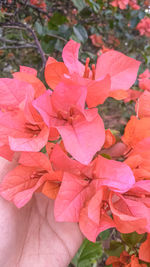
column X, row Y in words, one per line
column 57, row 37
column 17, row 46
column 21, row 26
column 11, row 26
column 4, row 40
column 38, row 46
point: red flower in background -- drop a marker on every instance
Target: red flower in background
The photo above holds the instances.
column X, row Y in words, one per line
column 133, row 4
column 39, row 3
column 144, row 27
column 122, row 4
column 97, row 40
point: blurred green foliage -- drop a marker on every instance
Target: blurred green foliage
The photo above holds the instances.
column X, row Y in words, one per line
column 76, row 20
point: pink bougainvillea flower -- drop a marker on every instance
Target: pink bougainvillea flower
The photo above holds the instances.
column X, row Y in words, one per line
column 136, row 130
column 109, row 139
column 33, row 171
column 121, row 182
column 23, row 129
column 119, row 94
column 131, row 211
column 132, row 95
column 120, row 68
column 83, row 195
column 13, row 99
column 139, row 160
column 103, row 50
column 28, row 70
column 144, row 80
column 116, row 151
column 142, row 106
column 97, row 90
column 12, row 93
column 61, row 161
column 144, row 26
column 28, row 75
column 94, row 216
column 82, row 130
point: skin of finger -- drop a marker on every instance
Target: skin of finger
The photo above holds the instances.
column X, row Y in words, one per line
column 46, row 240
column 9, row 220
column 31, row 236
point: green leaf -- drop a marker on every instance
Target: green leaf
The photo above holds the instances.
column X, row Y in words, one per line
column 105, row 234
column 134, row 21
column 141, row 14
column 39, row 28
column 56, row 20
column 59, row 45
column 79, row 4
column 87, row 253
column 93, row 5
column 43, row 150
column 80, row 33
column 106, row 156
column 86, row 13
column 118, row 16
column 48, row 45
column 115, row 248
column 132, row 239
column 65, row 31
column 74, row 37
column 90, row 250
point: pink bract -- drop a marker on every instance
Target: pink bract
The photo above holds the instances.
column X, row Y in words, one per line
column 82, row 130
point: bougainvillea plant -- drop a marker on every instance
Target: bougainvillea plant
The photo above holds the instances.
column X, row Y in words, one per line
column 78, row 169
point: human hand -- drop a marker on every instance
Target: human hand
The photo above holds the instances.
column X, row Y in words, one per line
column 31, row 236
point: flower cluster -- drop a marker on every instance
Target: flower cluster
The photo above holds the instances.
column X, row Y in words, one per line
column 144, row 26
column 39, row 3
column 122, row 4
column 88, row 188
